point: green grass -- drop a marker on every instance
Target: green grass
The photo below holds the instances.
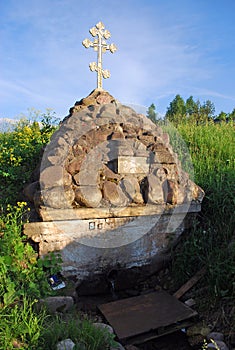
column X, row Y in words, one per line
column 211, row 241
column 23, row 277
column 81, row 331
column 20, row 325
column 23, row 280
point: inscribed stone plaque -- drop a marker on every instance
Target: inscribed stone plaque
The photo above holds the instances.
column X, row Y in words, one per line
column 132, row 165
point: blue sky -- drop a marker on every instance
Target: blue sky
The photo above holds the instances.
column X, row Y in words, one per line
column 165, row 47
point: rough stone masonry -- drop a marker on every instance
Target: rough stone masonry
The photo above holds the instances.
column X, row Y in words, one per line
column 110, row 193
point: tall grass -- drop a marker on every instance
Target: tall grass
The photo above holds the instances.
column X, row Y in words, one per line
column 20, row 325
column 23, row 280
column 212, row 149
column 212, row 241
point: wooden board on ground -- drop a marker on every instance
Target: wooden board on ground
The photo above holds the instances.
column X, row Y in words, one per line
column 190, row 283
column 139, row 319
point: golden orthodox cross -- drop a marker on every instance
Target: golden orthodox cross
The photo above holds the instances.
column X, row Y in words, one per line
column 99, row 45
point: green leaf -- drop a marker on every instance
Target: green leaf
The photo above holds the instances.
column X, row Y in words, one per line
column 8, row 260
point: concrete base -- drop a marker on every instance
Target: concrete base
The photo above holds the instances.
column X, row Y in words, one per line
column 96, row 246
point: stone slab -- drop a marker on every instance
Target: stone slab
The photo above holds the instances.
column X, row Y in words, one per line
column 145, row 317
column 131, row 165
column 50, row 214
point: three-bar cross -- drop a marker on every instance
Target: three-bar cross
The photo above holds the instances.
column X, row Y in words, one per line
column 99, row 45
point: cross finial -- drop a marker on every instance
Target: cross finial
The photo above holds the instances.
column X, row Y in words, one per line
column 99, row 45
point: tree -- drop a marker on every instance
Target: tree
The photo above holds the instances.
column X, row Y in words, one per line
column 176, row 112
column 201, row 112
column 231, row 116
column 151, row 113
column 191, row 106
column 222, row 116
column 207, row 110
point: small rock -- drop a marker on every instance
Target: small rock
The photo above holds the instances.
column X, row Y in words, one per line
column 107, row 173
column 190, row 302
column 52, row 176
column 66, row 344
column 113, row 193
column 103, row 326
column 131, row 187
column 215, row 336
column 57, row 304
column 152, row 188
column 104, row 98
column 59, row 197
column 217, row 345
column 89, row 196
column 131, row 347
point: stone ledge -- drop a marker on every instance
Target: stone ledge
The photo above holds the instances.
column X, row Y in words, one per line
column 49, row 214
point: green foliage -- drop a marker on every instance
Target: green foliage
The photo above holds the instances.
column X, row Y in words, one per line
column 195, row 112
column 222, row 117
column 191, row 106
column 151, row 113
column 82, row 332
column 207, row 110
column 51, row 263
column 211, row 244
column 20, row 273
column 20, row 325
column 231, row 116
column 20, row 153
column 176, row 112
column 212, row 150
column 21, row 281
column 24, row 277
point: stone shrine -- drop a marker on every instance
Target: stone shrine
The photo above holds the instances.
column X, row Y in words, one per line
column 111, row 193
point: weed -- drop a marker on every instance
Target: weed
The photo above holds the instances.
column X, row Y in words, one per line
column 81, row 332
column 20, row 325
column 19, row 270
column 51, row 263
column 205, row 344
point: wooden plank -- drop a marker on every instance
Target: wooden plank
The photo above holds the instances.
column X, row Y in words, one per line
column 190, row 283
column 146, row 316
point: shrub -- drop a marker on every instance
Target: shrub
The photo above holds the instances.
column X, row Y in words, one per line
column 20, row 273
column 20, row 152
